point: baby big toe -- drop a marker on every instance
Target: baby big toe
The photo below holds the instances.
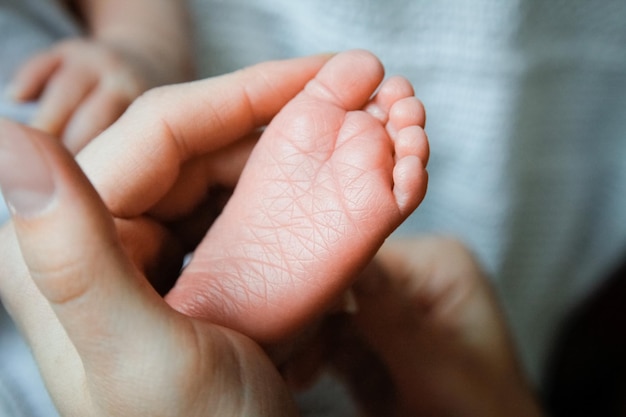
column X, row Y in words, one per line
column 348, row 80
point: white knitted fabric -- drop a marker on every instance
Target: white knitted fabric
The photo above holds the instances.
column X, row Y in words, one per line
column 526, row 104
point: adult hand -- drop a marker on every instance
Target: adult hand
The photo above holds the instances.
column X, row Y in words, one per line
column 427, row 337
column 106, row 342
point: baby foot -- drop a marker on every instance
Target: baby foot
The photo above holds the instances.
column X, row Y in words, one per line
column 324, row 187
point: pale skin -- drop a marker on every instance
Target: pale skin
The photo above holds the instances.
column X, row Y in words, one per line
column 86, row 343
column 246, row 386
column 84, row 84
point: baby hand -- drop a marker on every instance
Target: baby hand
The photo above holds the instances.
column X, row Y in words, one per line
column 82, row 85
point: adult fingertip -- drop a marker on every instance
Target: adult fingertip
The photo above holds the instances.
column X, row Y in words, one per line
column 25, row 175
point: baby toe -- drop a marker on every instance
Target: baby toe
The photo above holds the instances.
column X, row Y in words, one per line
column 348, row 80
column 410, row 181
column 412, row 140
column 391, row 91
column 406, row 112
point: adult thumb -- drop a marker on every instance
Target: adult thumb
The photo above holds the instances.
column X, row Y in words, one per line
column 68, row 241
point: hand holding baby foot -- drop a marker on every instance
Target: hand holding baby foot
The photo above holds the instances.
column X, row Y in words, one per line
column 359, row 166
column 326, row 170
column 327, row 183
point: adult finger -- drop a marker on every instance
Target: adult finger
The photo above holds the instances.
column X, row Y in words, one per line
column 222, row 167
column 135, row 162
column 70, row 245
column 36, row 321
